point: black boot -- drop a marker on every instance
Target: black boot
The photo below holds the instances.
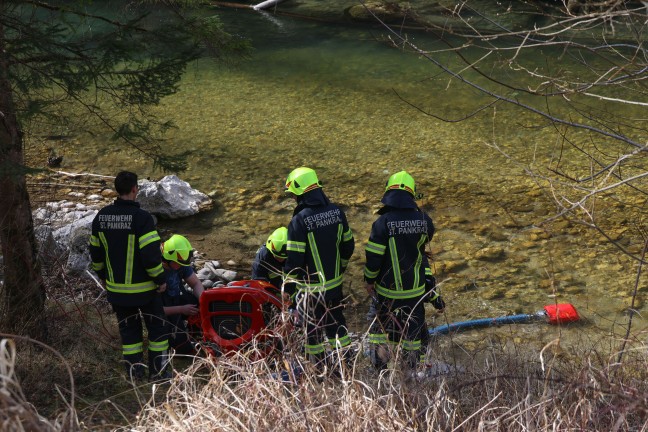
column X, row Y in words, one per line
column 159, row 366
column 134, row 367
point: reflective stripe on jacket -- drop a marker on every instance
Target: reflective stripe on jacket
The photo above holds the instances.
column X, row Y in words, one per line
column 396, row 262
column 125, row 252
column 319, row 246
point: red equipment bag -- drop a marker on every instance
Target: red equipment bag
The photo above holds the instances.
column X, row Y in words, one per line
column 238, row 314
column 561, row 313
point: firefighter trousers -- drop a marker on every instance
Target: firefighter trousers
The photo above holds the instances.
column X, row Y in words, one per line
column 324, row 319
column 131, row 332
column 399, row 323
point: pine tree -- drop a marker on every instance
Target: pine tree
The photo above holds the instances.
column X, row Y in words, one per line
column 113, row 67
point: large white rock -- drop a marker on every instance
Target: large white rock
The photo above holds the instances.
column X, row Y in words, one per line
column 49, row 250
column 226, row 275
column 64, row 234
column 79, row 257
column 171, row 198
column 205, row 273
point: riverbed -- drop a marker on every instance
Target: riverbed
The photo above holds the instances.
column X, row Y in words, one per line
column 339, row 99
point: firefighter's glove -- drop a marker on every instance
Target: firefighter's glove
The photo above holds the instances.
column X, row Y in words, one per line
column 433, row 297
column 437, row 301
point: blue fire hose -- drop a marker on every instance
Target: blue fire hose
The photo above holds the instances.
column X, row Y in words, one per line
column 484, row 322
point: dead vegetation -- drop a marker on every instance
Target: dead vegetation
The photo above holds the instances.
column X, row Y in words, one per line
column 507, row 387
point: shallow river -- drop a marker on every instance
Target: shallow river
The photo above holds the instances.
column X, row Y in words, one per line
column 330, row 97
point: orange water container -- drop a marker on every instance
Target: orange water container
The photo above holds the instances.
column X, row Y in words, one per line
column 561, row 313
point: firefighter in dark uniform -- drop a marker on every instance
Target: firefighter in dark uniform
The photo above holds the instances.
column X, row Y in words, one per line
column 320, row 244
column 269, row 260
column 125, row 252
column 398, row 275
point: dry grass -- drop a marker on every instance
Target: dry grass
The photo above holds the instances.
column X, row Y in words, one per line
column 16, row 412
column 507, row 390
column 508, row 395
column 77, row 384
column 497, row 385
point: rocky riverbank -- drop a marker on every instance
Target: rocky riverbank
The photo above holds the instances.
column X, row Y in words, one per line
column 66, row 203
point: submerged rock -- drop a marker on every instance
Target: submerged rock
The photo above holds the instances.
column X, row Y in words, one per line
column 490, row 253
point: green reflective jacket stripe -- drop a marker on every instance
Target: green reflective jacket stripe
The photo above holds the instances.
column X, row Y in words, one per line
column 130, row 288
column 393, row 254
column 316, row 256
column 419, row 261
column 125, row 242
column 97, row 266
column 320, row 243
column 376, row 248
column 148, row 238
column 348, row 235
column 338, row 261
column 402, row 294
column 144, row 241
column 339, row 264
column 94, row 241
column 318, row 287
column 371, row 274
column 155, row 271
column 104, row 242
column 296, row 246
column 130, row 252
column 128, row 275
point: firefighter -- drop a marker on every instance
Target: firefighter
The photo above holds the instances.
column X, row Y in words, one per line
column 125, row 252
column 397, row 274
column 270, row 258
column 320, row 244
column 178, row 302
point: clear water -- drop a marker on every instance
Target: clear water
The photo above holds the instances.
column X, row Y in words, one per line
column 333, row 98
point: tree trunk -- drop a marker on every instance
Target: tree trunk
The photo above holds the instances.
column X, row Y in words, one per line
column 23, row 293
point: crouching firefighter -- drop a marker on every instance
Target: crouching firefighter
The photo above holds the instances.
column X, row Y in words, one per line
column 125, row 252
column 320, row 244
column 179, row 303
column 398, row 276
column 269, row 260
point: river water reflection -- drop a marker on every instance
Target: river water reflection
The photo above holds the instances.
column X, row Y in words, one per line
column 327, row 96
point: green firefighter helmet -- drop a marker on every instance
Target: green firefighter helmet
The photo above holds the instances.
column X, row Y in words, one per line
column 177, row 249
column 302, row 180
column 277, row 242
column 403, row 181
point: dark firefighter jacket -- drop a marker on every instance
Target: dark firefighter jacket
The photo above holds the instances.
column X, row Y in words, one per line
column 320, row 244
column 266, row 267
column 396, row 262
column 125, row 252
